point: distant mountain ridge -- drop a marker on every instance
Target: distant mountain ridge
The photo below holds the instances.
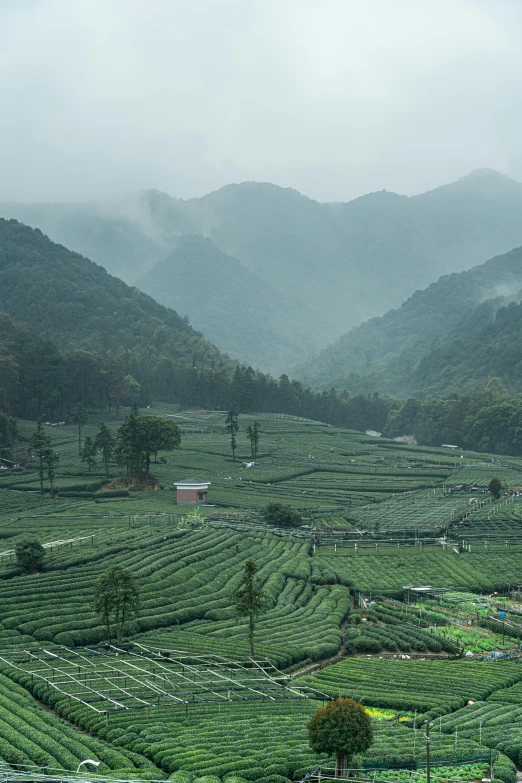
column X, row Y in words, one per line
column 245, row 315
column 412, row 348
column 343, row 262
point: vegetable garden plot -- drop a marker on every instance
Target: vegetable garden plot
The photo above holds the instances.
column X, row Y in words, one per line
column 440, row 686
column 139, row 676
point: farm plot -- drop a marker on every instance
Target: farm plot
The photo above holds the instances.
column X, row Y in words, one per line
column 137, row 677
column 267, row 744
column 478, row 473
column 30, row 735
column 389, row 571
column 438, row 686
column 186, row 581
column 500, row 520
column 303, row 624
column 429, row 511
column 494, row 723
column 354, row 467
column 13, row 504
column 381, row 627
column 395, row 742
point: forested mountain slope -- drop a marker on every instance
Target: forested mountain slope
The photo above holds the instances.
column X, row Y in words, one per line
column 486, row 345
column 78, row 304
column 246, row 316
column 104, row 233
column 387, row 351
column 349, row 261
column 69, row 330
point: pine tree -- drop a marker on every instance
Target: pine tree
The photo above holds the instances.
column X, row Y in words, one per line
column 88, row 453
column 249, row 599
column 51, row 459
column 39, row 444
column 80, row 418
column 256, row 430
column 104, row 442
column 116, row 599
column 232, row 427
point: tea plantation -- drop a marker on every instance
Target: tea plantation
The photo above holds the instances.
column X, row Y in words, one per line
column 378, row 516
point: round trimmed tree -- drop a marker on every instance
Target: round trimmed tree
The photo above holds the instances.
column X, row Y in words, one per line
column 495, row 487
column 30, row 556
column 343, row 728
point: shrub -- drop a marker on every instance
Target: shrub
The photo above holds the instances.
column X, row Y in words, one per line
column 366, row 644
column 30, row 556
column 281, row 515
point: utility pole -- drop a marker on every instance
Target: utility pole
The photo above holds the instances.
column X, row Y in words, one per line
column 428, row 771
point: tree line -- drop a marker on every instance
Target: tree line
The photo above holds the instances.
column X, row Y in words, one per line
column 137, row 439
column 487, row 421
column 39, row 381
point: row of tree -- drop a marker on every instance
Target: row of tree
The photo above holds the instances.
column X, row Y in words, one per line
column 252, row 431
column 137, row 439
column 39, row 381
column 487, row 421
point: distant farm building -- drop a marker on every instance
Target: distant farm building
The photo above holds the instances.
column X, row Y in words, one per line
column 7, row 464
column 192, row 492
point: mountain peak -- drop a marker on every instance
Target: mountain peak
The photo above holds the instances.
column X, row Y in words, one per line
column 487, row 175
column 486, row 183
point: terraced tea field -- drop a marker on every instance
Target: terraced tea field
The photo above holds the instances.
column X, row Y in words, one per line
column 388, row 498
column 388, row 569
column 435, row 686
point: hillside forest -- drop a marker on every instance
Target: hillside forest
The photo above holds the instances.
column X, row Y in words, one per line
column 88, row 337
column 270, row 276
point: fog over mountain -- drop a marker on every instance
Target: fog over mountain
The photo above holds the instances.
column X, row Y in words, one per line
column 308, row 142
column 281, row 276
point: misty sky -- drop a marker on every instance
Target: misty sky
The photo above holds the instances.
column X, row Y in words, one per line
column 335, row 98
